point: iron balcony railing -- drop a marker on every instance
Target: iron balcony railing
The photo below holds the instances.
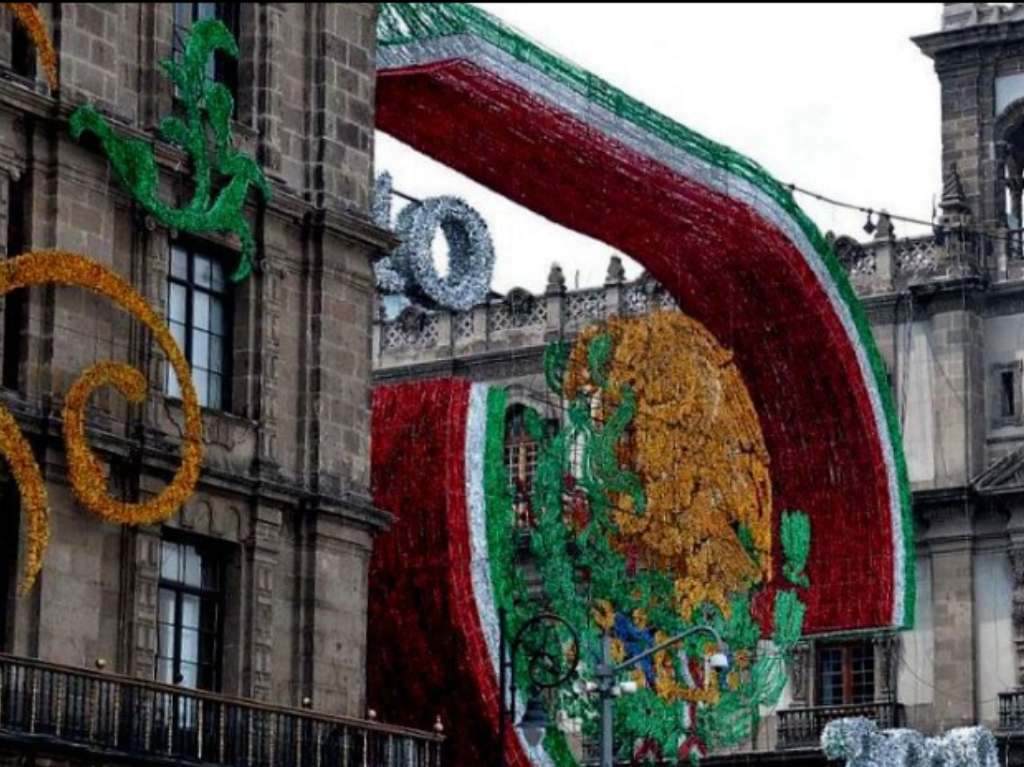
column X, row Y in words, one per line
column 57, row 706
column 801, row 727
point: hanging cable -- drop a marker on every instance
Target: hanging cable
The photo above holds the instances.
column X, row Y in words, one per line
column 870, row 225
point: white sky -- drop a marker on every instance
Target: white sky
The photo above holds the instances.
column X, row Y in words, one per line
column 832, row 97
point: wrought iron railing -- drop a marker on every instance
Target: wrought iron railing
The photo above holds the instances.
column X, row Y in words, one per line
column 1011, row 710
column 121, row 716
column 801, row 727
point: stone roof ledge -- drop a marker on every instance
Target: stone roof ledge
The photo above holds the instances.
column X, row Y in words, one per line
column 963, row 15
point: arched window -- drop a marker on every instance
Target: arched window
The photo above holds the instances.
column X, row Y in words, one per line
column 520, row 462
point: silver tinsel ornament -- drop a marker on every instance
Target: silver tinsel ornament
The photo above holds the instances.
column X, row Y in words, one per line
column 860, row 743
column 410, row 269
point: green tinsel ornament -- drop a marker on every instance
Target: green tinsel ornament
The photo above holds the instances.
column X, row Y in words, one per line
column 208, row 109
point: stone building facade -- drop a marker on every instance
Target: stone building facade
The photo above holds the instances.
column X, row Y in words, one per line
column 947, row 312
column 255, row 594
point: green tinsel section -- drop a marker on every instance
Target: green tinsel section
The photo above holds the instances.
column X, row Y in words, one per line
column 643, row 715
column 402, row 23
column 508, row 584
column 796, row 545
column 208, row 108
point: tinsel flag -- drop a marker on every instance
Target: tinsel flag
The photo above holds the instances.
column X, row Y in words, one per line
column 723, row 236
column 432, row 620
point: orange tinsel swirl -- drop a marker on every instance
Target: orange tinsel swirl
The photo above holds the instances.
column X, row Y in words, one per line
column 87, row 478
column 31, row 20
column 696, row 444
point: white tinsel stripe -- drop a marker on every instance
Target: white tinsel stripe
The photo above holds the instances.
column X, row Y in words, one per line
column 493, row 59
column 480, row 563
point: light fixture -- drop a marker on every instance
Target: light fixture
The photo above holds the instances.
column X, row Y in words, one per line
column 535, row 721
column 719, row 661
column 869, row 225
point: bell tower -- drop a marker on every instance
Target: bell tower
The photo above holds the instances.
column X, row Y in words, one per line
column 979, row 59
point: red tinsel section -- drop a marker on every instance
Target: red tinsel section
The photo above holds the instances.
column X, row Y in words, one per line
column 426, row 653
column 728, row 268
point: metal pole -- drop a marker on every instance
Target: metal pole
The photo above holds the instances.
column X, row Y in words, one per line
column 605, row 682
column 606, row 674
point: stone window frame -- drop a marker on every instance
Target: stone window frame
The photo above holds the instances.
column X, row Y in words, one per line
column 998, row 375
column 847, row 648
column 803, row 671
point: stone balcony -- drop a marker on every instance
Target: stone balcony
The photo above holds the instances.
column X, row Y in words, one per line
column 89, row 717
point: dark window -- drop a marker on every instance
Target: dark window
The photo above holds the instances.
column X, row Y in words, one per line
column 190, row 615
column 520, row 462
column 846, row 674
column 15, row 303
column 223, row 68
column 9, row 521
column 1008, row 394
column 198, row 313
column 23, row 52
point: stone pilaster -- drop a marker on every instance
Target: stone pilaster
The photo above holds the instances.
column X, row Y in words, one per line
column 268, row 326
column 335, row 551
column 1016, row 557
column 947, row 532
column 261, row 551
column 146, row 577
column 887, row 648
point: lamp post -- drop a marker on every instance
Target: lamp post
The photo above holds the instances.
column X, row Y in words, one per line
column 607, row 672
column 545, row 670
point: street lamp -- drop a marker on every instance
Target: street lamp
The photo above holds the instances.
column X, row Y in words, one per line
column 607, row 672
column 546, row 670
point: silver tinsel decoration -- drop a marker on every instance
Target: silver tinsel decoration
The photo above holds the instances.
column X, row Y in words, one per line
column 389, row 277
column 410, row 269
column 860, row 743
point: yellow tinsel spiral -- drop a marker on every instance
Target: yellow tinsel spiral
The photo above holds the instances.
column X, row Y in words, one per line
column 31, row 20
column 88, row 481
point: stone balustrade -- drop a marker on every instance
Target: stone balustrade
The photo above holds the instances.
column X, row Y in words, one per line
column 518, row 320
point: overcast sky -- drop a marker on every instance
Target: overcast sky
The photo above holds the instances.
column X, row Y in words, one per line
column 832, row 97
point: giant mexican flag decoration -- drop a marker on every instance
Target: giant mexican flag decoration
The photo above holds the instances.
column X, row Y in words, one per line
column 741, row 259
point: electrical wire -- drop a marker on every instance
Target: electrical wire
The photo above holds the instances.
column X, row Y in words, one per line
column 1013, row 236
column 861, row 208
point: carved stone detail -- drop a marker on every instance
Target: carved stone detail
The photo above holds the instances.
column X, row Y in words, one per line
column 854, row 258
column 800, row 673
column 887, row 648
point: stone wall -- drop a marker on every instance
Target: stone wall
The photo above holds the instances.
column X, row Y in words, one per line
column 285, row 484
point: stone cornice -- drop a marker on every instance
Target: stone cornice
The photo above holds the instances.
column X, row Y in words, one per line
column 936, row 44
column 157, row 456
column 459, row 365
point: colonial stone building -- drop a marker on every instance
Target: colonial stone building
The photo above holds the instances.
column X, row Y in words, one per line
column 948, row 315
column 236, row 632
